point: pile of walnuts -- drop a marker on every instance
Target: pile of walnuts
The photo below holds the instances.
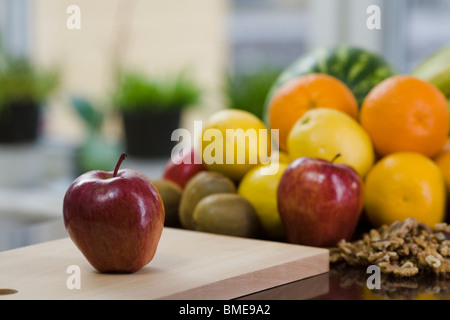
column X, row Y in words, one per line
column 403, row 249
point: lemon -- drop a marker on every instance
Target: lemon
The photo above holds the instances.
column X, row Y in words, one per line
column 405, row 185
column 260, row 190
column 282, row 156
column 324, row 133
column 233, row 142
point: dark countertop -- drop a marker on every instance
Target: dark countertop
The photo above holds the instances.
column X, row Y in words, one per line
column 353, row 283
column 349, row 283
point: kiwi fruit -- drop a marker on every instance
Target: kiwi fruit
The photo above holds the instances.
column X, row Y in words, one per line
column 228, row 214
column 171, row 195
column 201, row 185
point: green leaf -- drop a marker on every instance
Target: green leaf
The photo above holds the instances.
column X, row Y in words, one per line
column 21, row 80
column 91, row 115
column 248, row 91
column 136, row 91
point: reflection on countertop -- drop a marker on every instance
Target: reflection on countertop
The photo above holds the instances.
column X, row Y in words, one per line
column 344, row 282
column 350, row 283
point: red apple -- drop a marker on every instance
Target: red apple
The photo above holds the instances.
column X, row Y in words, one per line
column 114, row 218
column 319, row 201
column 180, row 169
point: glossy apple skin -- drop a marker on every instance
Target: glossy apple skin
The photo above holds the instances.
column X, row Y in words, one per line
column 182, row 172
column 320, row 202
column 116, row 222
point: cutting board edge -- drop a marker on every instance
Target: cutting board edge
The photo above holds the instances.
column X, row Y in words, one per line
column 294, row 271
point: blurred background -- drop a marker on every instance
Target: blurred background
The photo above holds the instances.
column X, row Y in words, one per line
column 76, row 76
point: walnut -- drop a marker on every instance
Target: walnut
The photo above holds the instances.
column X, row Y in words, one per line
column 374, row 235
column 433, row 261
column 402, row 249
column 407, row 264
column 403, row 271
column 440, row 236
column 442, row 227
column 381, row 244
column 406, row 272
column 444, row 250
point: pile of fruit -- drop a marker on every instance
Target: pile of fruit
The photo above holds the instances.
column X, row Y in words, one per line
column 352, row 139
column 343, row 138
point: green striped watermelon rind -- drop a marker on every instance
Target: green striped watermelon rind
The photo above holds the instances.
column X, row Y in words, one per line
column 358, row 68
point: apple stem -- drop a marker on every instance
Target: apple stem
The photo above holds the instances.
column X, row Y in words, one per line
column 335, row 157
column 123, row 156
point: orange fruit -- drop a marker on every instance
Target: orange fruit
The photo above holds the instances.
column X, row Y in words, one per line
column 307, row 92
column 404, row 185
column 404, row 113
column 442, row 160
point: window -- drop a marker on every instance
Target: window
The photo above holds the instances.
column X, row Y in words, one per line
column 280, row 31
column 427, row 29
column 267, row 32
column 15, row 25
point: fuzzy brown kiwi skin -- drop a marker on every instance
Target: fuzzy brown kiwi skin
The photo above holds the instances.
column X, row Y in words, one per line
column 228, row 214
column 201, row 185
column 171, row 196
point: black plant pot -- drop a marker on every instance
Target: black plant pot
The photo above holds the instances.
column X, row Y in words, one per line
column 19, row 122
column 148, row 133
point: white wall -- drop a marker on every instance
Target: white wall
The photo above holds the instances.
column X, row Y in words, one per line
column 153, row 36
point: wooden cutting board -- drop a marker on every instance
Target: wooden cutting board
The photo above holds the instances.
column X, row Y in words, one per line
column 187, row 265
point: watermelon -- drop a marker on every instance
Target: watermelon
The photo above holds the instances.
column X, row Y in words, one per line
column 435, row 69
column 358, row 68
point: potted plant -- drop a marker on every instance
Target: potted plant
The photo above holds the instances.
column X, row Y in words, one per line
column 151, row 110
column 96, row 151
column 24, row 88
